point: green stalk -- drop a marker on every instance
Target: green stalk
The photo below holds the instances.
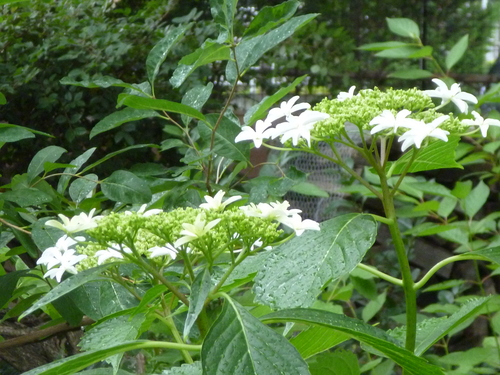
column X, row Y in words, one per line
column 404, row 265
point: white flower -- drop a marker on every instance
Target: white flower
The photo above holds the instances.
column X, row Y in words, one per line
column 260, row 133
column 158, row 251
column 346, row 95
column 286, row 109
column 274, row 211
column 418, row 133
column 298, row 225
column 483, row 124
column 60, row 258
column 195, row 230
column 111, row 252
column 216, row 203
column 299, row 127
column 454, row 94
column 387, row 120
column 77, row 223
column 142, row 211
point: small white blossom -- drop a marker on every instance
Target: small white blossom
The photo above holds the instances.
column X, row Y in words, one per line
column 111, row 252
column 77, row 223
column 286, row 109
column 195, row 230
column 297, row 127
column 274, row 211
column 418, row 133
column 346, row 95
column 387, row 120
column 298, row 225
column 142, row 211
column 216, row 203
column 454, row 94
column 61, row 258
column 483, row 124
column 258, row 135
column 158, row 251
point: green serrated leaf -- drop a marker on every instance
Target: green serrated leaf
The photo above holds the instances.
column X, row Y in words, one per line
column 208, row 53
column 296, row 271
column 250, row 50
column 199, row 292
column 82, row 187
column 48, row 154
column 436, row 155
column 119, row 329
column 226, row 132
column 317, row 339
column 404, row 27
column 270, row 17
column 336, row 363
column 196, row 98
column 239, row 343
column 185, row 369
column 159, row 53
column 126, row 187
column 411, row 74
column 25, row 197
column 77, row 162
column 139, row 102
column 457, row 51
column 67, row 286
column 476, row 199
column 121, row 117
column 360, row 331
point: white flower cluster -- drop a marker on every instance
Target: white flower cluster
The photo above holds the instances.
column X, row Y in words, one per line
column 292, row 127
column 419, row 130
column 62, row 257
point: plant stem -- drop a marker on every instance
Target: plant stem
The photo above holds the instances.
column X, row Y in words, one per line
column 380, row 274
column 404, row 264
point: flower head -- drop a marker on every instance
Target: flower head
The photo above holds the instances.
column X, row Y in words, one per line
column 77, row 223
column 419, row 132
column 454, row 94
column 483, row 124
column 195, row 230
column 158, row 251
column 216, row 203
column 260, row 133
column 299, row 126
column 298, row 225
column 346, row 95
column 387, row 120
column 109, row 253
column 286, row 109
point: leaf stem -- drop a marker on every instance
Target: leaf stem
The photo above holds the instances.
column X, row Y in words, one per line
column 380, row 274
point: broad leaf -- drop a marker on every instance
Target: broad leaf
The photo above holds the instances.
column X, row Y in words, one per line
column 360, row 331
column 296, row 271
column 223, row 12
column 336, row 363
column 411, row 74
column 404, row 27
column 101, row 298
column 317, row 339
column 185, row 369
column 476, row 199
column 239, row 343
column 126, row 187
column 159, row 53
column 139, row 102
column 398, row 53
column 70, row 365
column 270, row 17
column 257, row 112
column 2, row 99
column 226, row 132
column 196, row 98
column 208, row 53
column 119, row 329
column 250, row 50
column 457, row 51
column 3, row 126
column 67, row 286
column 491, row 254
column 82, row 187
column 104, row 82
column 436, row 155
column 8, row 283
column 121, row 117
column 77, row 162
column 14, row 134
column 199, row 293
column 50, row 153
column 428, row 334
column 25, row 197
